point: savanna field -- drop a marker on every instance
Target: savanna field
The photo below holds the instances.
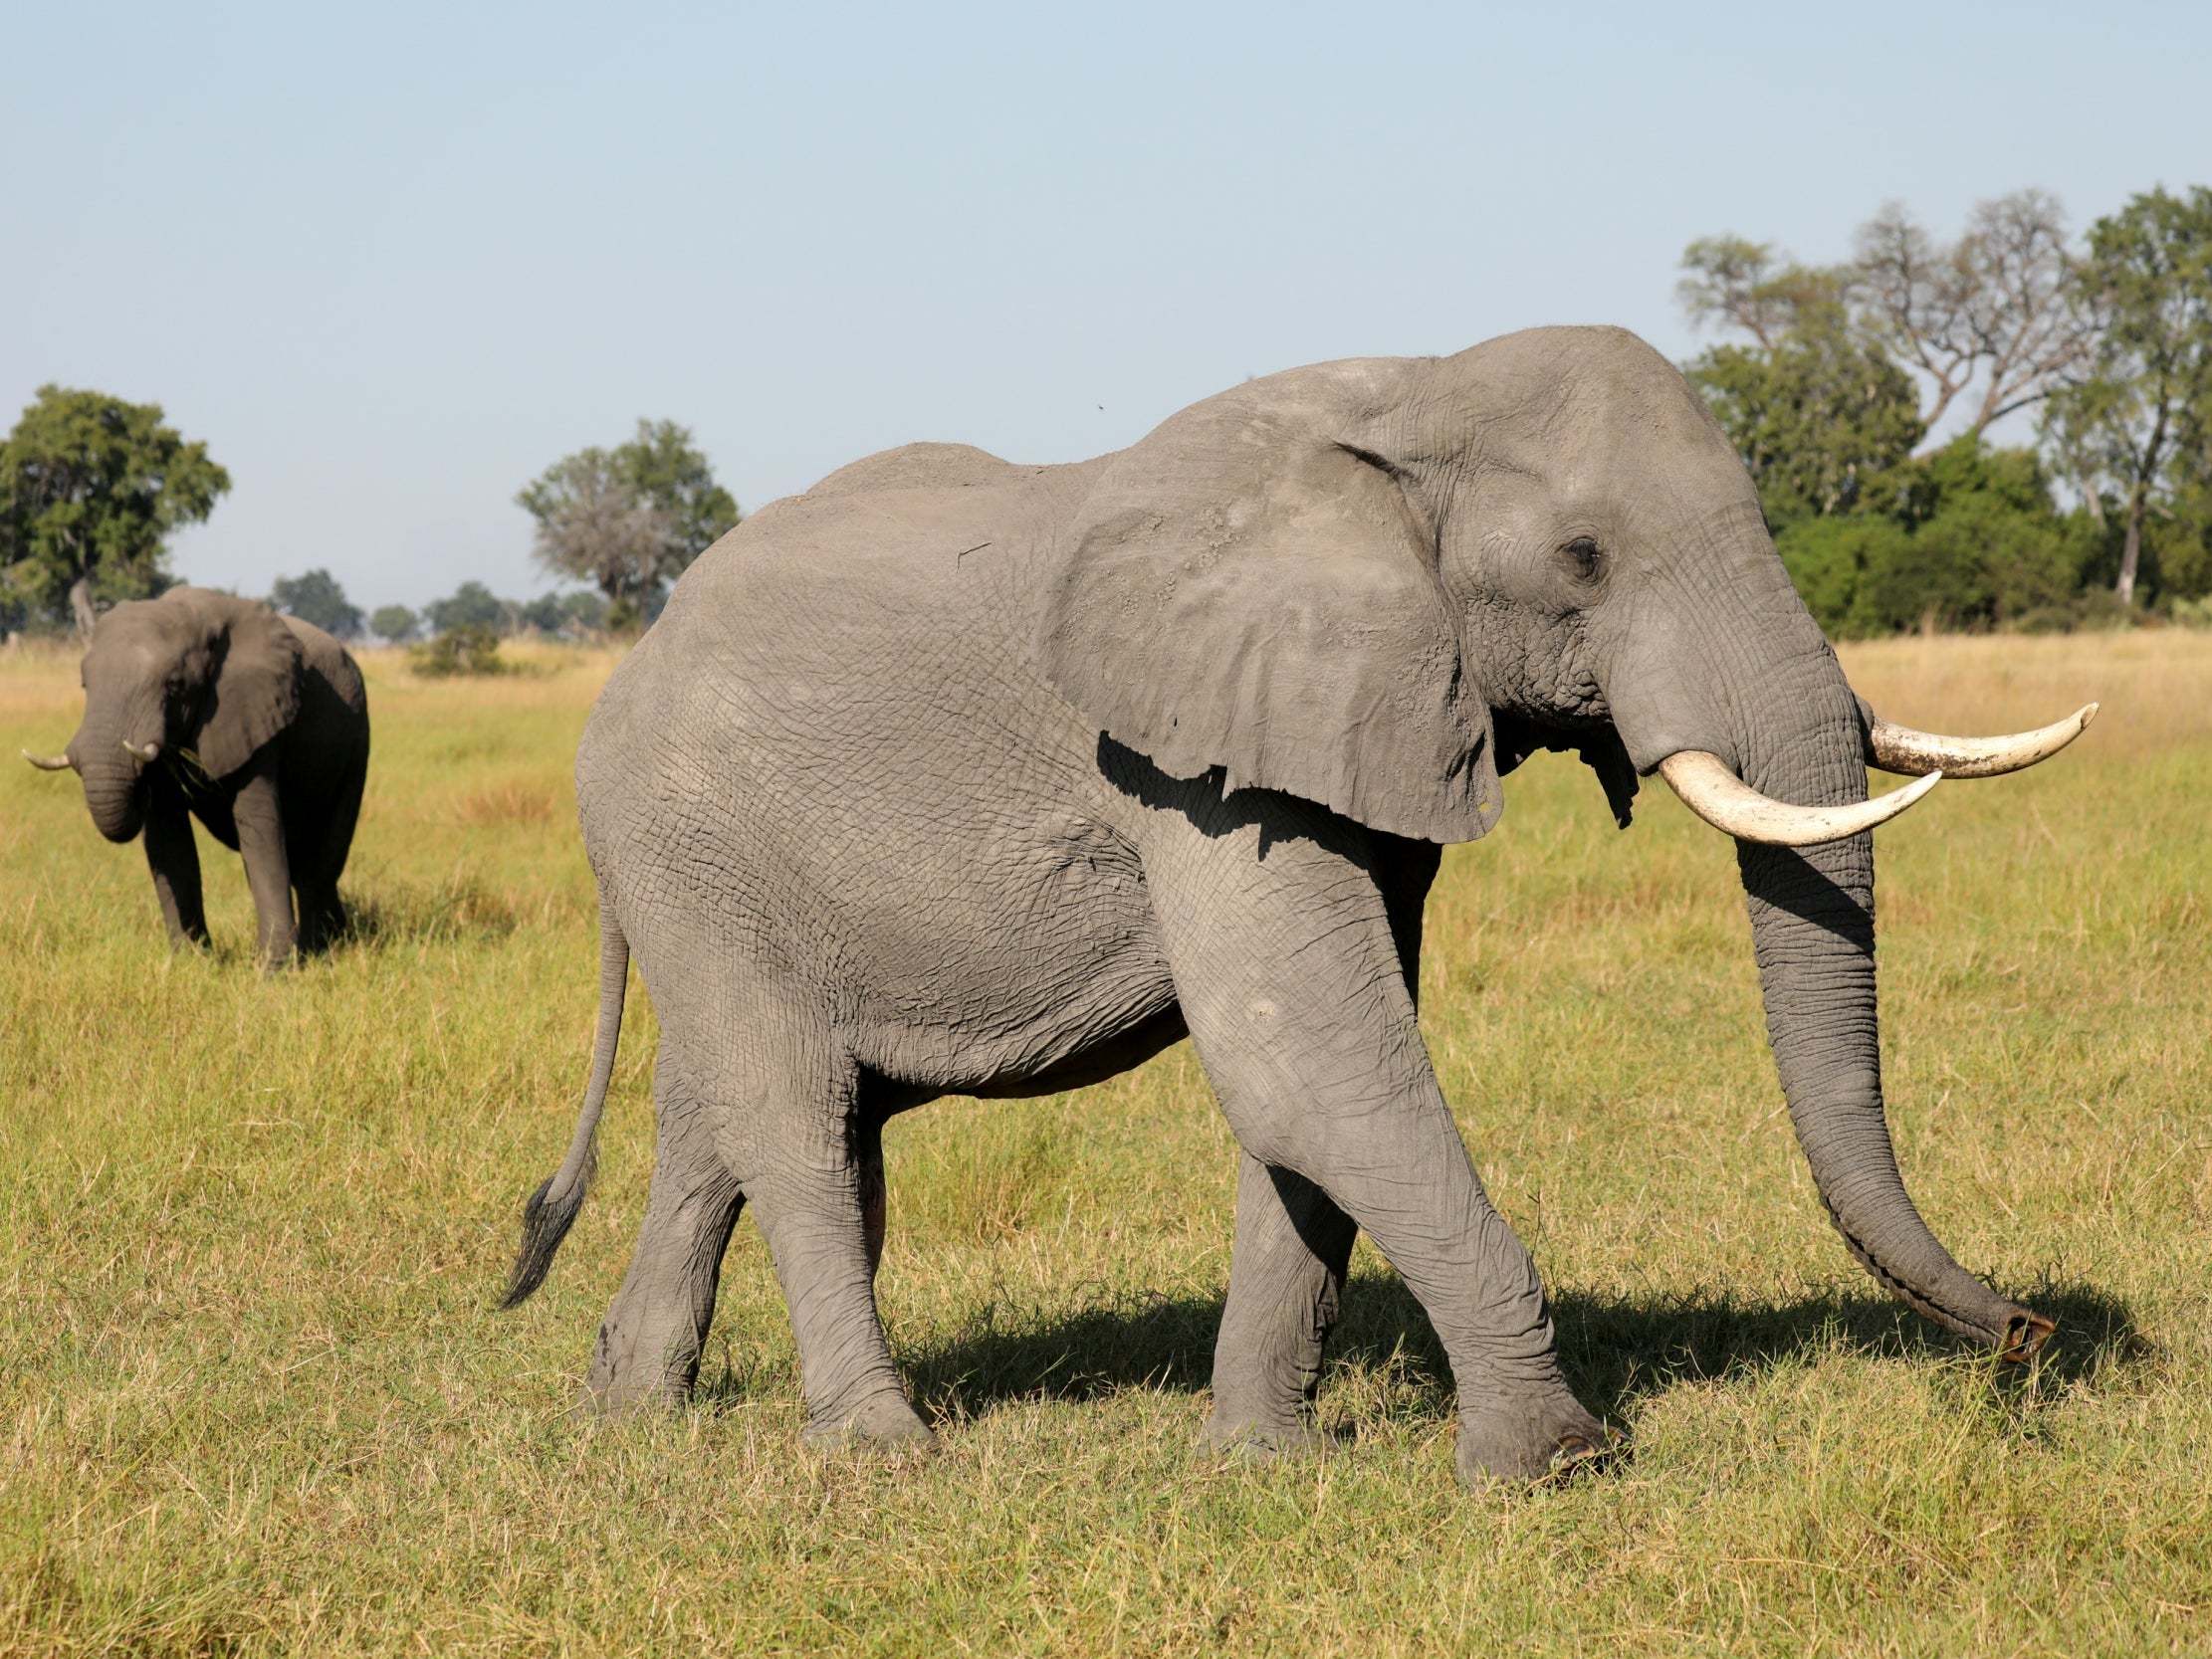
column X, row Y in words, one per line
column 254, row 1398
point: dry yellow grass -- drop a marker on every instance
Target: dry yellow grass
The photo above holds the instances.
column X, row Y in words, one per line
column 253, row 1397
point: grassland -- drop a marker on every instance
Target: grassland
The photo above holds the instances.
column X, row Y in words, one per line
column 253, row 1397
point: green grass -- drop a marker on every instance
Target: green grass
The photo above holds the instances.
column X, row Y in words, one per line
column 253, row 1397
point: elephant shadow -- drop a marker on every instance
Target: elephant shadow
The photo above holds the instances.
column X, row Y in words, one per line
column 1616, row 1350
column 461, row 906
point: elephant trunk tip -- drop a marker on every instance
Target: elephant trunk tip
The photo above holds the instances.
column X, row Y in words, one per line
column 2025, row 1334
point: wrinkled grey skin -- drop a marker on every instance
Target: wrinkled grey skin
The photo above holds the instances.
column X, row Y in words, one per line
column 262, row 728
column 955, row 777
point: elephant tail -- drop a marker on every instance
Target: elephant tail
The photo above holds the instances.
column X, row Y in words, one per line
column 554, row 1207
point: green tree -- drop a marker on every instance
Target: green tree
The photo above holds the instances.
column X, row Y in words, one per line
column 1821, row 420
column 1972, row 538
column 1731, row 282
column 471, row 605
column 317, row 597
column 2129, row 418
column 2182, row 540
column 585, row 610
column 395, row 623
column 89, row 488
column 543, row 613
column 631, row 518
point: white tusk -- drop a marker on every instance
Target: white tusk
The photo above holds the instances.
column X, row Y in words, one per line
column 1709, row 790
column 149, row 754
column 48, row 762
column 1899, row 748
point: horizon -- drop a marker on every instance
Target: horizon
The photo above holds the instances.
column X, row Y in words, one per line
column 487, row 243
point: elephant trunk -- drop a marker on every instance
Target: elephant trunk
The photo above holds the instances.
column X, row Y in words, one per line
column 1741, row 675
column 1812, row 933
column 109, row 760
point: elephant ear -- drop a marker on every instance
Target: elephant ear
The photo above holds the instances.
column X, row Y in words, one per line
column 1250, row 588
column 256, row 692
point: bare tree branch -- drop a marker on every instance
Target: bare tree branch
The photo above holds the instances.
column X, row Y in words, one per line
column 1989, row 310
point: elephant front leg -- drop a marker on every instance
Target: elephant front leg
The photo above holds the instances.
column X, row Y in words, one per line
column 175, row 859
column 1294, row 1247
column 867, row 1154
column 323, row 920
column 259, row 815
column 1285, row 1283
column 1293, row 988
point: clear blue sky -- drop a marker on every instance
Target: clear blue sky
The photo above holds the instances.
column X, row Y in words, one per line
column 391, row 261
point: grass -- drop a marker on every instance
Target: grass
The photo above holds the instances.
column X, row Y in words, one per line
column 253, row 1397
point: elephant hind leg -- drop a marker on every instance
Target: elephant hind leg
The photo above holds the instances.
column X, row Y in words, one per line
column 772, row 1121
column 317, row 865
column 814, row 1157
column 650, row 1341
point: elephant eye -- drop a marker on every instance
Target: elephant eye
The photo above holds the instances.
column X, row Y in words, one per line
column 1584, row 559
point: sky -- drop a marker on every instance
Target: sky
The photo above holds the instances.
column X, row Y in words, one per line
column 391, row 262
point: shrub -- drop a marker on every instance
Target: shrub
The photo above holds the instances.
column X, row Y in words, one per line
column 2192, row 613
column 470, row 649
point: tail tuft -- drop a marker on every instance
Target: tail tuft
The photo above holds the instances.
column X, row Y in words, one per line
column 551, row 1210
column 545, row 1222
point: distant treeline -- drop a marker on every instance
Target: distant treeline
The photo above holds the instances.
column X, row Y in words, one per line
column 92, row 486
column 319, row 598
column 1862, row 396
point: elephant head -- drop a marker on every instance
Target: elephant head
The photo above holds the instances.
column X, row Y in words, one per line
column 1380, row 584
column 195, row 681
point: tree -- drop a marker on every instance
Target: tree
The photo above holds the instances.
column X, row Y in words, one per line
column 471, row 605
column 543, row 613
column 1991, row 306
column 1729, row 282
column 629, row 519
column 89, row 488
column 317, row 597
column 395, row 623
column 2140, row 401
column 585, row 610
column 1820, row 420
column 1971, row 540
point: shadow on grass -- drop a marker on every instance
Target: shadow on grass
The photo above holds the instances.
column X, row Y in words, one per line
column 461, row 906
column 1616, row 1350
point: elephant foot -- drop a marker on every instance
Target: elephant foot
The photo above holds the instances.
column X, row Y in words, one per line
column 620, row 1399
column 884, row 1423
column 1256, row 1440
column 1520, row 1440
column 622, row 1382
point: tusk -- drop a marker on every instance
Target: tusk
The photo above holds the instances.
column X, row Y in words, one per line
column 1899, row 748
column 48, row 762
column 149, row 754
column 1709, row 790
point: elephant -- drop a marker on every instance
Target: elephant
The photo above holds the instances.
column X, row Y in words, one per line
column 958, row 776
column 202, row 704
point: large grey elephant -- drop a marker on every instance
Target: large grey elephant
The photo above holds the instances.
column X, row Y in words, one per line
column 957, row 777
column 202, row 704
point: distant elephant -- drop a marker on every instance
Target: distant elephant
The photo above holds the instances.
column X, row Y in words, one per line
column 953, row 777
column 203, row 705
